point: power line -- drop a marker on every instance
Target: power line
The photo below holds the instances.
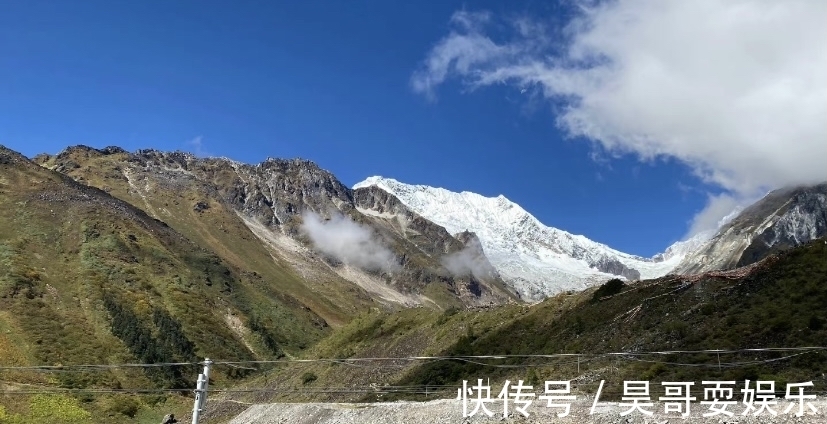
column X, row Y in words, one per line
column 93, row 367
column 419, row 389
column 627, row 355
column 724, row 365
column 622, row 355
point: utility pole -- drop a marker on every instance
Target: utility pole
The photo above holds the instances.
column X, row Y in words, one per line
column 201, row 392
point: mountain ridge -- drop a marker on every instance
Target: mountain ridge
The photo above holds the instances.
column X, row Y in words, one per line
column 272, row 198
column 548, row 250
column 540, row 261
column 784, row 218
column 288, row 205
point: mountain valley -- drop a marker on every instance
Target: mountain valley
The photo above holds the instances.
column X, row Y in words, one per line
column 116, row 257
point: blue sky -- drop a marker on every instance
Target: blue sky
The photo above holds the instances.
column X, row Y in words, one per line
column 331, row 81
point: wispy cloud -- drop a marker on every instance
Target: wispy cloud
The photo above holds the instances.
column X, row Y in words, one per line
column 717, row 207
column 734, row 89
column 349, row 242
column 196, row 147
column 467, row 262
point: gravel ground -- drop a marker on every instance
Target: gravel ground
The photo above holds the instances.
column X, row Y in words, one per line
column 450, row 411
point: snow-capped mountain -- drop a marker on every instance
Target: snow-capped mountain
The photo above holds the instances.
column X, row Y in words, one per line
column 536, row 260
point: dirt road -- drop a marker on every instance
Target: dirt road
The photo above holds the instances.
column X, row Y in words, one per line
column 451, row 411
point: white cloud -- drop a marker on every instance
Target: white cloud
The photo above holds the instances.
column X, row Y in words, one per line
column 348, row 242
column 717, row 207
column 736, row 89
column 468, row 261
column 197, row 146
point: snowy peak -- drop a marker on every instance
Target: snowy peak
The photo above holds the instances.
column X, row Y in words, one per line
column 458, row 212
column 443, row 203
column 538, row 261
column 535, row 259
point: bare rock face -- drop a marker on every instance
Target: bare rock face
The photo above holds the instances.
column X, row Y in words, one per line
column 783, row 219
column 429, row 237
column 290, row 187
column 473, row 250
column 613, row 266
column 276, row 197
column 446, row 258
column 804, row 220
column 10, row 157
column 274, row 191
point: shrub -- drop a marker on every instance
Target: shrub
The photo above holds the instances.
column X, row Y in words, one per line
column 609, row 288
column 815, row 324
column 308, row 378
column 123, row 405
column 58, row 409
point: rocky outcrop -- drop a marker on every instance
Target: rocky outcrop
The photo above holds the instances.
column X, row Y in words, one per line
column 273, row 198
column 429, row 237
column 448, row 258
column 274, row 191
column 783, row 219
column 613, row 266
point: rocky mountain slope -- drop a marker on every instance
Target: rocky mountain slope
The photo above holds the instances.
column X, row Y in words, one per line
column 536, row 260
column 349, row 250
column 783, row 219
column 111, row 257
column 412, row 250
column 86, row 278
column 539, row 261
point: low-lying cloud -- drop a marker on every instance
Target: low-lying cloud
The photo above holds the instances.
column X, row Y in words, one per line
column 467, row 261
column 348, row 242
column 718, row 207
column 733, row 89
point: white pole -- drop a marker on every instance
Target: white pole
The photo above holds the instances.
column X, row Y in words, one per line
column 201, row 391
column 196, row 407
column 207, row 363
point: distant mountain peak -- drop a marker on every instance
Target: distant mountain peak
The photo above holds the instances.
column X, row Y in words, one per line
column 536, row 259
column 784, row 218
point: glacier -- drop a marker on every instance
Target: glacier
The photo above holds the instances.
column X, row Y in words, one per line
column 536, row 260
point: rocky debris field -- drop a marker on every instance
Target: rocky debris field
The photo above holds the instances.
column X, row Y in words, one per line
column 450, row 411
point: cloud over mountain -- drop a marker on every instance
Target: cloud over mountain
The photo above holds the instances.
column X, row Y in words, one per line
column 348, row 242
column 468, row 261
column 733, row 89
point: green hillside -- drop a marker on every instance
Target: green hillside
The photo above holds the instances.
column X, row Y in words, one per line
column 88, row 279
column 781, row 303
column 194, row 208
